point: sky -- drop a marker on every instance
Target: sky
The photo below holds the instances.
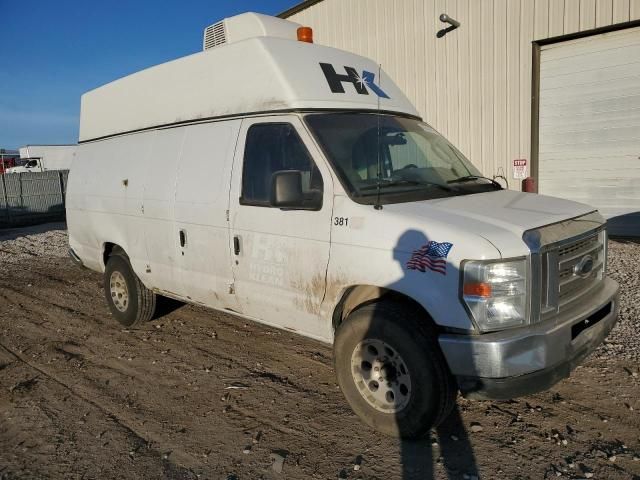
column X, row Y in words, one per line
column 52, row 51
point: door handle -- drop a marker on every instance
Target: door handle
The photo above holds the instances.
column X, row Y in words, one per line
column 236, row 244
column 183, row 238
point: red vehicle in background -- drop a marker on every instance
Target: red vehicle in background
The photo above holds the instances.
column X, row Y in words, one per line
column 8, row 160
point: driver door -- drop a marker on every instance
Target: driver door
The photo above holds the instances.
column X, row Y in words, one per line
column 280, row 255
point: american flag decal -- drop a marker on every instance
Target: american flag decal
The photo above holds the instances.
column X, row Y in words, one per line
column 433, row 256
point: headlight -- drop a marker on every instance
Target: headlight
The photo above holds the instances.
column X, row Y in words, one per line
column 496, row 293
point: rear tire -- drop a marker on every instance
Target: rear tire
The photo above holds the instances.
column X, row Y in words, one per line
column 130, row 302
column 391, row 370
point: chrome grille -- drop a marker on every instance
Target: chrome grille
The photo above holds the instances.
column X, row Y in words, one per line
column 561, row 284
column 556, row 250
column 572, row 285
column 580, row 247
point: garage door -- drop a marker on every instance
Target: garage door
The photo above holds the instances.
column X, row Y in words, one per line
column 589, row 148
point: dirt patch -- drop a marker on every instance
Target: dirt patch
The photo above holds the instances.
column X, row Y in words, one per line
column 199, row 394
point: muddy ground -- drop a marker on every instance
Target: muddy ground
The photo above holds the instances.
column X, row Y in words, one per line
column 199, row 394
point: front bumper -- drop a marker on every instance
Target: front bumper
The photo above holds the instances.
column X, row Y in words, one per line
column 526, row 360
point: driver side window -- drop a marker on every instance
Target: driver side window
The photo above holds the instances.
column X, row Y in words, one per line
column 273, row 147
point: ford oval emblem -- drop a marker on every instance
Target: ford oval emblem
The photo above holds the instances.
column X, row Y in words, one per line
column 584, row 266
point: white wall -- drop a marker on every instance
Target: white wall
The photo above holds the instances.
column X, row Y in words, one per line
column 473, row 85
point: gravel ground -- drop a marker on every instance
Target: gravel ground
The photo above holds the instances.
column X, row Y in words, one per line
column 20, row 244
column 624, row 268
column 200, row 394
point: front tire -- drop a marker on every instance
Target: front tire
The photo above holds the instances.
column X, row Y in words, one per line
column 130, row 302
column 391, row 370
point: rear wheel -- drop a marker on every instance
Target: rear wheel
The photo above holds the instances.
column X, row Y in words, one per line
column 391, row 370
column 130, row 302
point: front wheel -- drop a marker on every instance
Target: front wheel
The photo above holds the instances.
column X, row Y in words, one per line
column 130, row 302
column 391, row 370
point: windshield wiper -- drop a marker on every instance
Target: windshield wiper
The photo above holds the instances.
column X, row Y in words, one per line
column 471, row 178
column 393, row 183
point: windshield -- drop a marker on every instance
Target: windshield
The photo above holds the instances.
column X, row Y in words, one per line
column 403, row 159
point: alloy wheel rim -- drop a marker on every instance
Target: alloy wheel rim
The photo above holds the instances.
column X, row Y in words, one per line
column 381, row 376
column 119, row 291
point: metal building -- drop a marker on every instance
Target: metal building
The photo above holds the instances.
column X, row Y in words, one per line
column 555, row 83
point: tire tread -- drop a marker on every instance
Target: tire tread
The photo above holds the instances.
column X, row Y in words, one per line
column 412, row 319
column 145, row 298
column 449, row 390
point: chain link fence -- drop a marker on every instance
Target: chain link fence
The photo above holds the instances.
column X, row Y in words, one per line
column 32, row 198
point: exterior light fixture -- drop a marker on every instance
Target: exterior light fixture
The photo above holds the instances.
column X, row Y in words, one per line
column 447, row 19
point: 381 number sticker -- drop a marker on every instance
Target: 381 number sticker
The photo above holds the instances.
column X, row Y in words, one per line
column 341, row 221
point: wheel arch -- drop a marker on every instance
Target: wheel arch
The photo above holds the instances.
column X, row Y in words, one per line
column 357, row 296
column 110, row 248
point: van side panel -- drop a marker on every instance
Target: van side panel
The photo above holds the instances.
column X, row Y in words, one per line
column 104, row 198
column 135, row 151
column 202, row 201
column 138, row 191
column 161, row 236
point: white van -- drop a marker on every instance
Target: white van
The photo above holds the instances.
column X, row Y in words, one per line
column 295, row 185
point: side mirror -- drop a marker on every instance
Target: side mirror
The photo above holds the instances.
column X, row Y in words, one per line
column 286, row 189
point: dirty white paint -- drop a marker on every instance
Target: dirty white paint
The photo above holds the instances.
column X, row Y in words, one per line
column 258, row 74
column 281, row 268
column 473, row 85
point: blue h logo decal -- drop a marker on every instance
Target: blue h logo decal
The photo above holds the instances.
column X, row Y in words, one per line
column 362, row 83
column 368, row 78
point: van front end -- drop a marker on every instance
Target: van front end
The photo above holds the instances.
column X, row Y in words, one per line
column 536, row 325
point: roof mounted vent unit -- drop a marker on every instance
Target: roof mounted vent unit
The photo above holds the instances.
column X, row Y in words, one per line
column 247, row 25
column 214, row 35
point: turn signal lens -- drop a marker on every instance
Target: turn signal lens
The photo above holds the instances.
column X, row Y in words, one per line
column 305, row 34
column 477, row 290
column 496, row 293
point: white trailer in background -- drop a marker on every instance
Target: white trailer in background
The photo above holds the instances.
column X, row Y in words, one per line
column 40, row 158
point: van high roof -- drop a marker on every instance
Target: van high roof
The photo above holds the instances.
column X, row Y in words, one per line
column 252, row 64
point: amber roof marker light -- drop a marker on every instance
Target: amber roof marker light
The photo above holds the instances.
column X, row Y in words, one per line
column 305, row 34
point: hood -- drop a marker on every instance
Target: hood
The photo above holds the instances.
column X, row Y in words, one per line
column 515, row 211
column 500, row 217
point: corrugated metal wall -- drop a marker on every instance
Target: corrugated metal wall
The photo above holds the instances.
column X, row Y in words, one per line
column 590, row 125
column 473, row 85
column 31, row 198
